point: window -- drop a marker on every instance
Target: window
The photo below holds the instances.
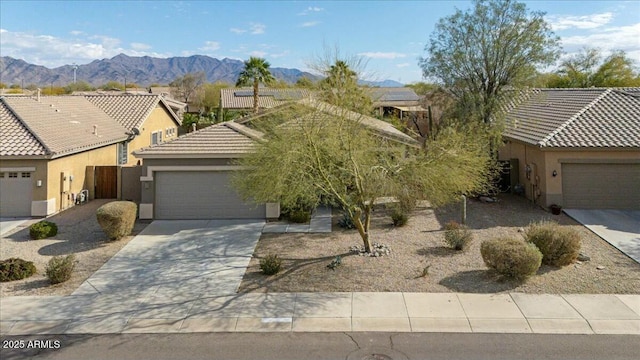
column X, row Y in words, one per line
column 170, row 132
column 13, row 174
column 156, row 137
column 26, row 175
column 123, row 153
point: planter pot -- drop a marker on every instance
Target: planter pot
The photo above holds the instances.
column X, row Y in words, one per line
column 555, row 209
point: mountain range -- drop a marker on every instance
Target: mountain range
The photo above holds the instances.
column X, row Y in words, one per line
column 143, row 71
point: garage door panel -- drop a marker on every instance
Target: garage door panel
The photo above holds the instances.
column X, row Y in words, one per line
column 15, row 196
column 601, row 186
column 200, row 195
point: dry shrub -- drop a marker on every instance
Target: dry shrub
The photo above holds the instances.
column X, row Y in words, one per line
column 60, row 268
column 117, row 218
column 559, row 245
column 271, row 264
column 511, row 257
column 457, row 236
column 16, row 269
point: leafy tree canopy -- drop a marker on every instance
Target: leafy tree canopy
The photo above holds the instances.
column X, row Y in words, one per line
column 587, row 68
column 185, row 87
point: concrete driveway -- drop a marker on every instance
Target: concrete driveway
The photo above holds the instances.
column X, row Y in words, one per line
column 9, row 224
column 620, row 228
column 173, row 258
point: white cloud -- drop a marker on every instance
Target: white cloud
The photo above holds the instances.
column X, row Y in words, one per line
column 563, row 22
column 613, row 38
column 382, row 55
column 210, row 46
column 309, row 23
column 140, row 46
column 237, row 31
column 76, row 32
column 257, row 28
column 310, row 10
column 258, row 53
column 279, row 55
column 403, row 65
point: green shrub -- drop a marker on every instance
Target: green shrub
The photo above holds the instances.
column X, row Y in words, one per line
column 510, row 257
column 117, row 218
column 346, row 222
column 43, row 229
column 457, row 236
column 60, row 268
column 559, row 245
column 299, row 216
column 270, row 265
column 399, row 217
column 16, row 269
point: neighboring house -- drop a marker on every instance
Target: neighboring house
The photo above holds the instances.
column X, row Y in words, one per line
column 242, row 98
column 188, row 178
column 577, row 148
column 53, row 148
column 399, row 102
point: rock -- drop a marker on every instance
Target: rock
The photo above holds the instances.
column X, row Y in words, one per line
column 520, row 230
column 486, row 199
column 583, row 257
column 600, row 267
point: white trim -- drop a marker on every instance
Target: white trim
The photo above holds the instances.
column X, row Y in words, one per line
column 152, row 169
column 17, row 169
column 190, row 156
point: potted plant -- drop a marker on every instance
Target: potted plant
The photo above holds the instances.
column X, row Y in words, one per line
column 555, row 209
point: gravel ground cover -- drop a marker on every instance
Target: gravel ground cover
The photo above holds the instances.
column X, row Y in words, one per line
column 420, row 244
column 78, row 233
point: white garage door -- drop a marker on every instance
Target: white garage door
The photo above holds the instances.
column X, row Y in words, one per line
column 15, row 194
column 200, row 195
column 601, row 186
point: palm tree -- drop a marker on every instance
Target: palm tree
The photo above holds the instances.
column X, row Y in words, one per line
column 256, row 71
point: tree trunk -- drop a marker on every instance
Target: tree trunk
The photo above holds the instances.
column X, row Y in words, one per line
column 255, row 96
column 363, row 229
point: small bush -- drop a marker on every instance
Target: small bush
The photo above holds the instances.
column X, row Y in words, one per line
column 270, row 265
column 399, row 217
column 299, row 216
column 559, row 245
column 16, row 269
column 43, row 229
column 117, row 218
column 60, row 268
column 346, row 222
column 457, row 236
column 511, row 257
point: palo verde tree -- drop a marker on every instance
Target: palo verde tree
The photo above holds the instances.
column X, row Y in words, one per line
column 256, row 71
column 587, row 68
column 476, row 53
column 186, row 87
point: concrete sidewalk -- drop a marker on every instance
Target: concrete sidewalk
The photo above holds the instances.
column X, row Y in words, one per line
column 322, row 312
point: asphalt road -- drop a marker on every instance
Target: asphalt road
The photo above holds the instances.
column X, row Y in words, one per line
column 349, row 346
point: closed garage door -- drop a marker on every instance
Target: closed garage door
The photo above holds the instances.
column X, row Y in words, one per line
column 200, row 195
column 601, row 186
column 15, row 194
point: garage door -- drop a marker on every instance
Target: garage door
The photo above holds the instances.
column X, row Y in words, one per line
column 200, row 195
column 601, row 186
column 15, row 194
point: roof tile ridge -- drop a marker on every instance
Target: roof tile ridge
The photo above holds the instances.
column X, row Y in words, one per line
column 239, row 128
column 573, row 118
column 24, row 123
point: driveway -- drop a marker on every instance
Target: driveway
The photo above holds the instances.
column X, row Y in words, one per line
column 620, row 228
column 8, row 224
column 185, row 258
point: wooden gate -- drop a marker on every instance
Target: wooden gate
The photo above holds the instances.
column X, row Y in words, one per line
column 106, row 182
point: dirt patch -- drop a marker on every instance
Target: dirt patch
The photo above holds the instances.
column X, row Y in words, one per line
column 420, row 244
column 78, row 233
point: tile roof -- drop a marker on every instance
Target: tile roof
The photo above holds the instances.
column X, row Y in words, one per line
column 577, row 118
column 404, row 96
column 130, row 110
column 242, row 98
column 219, row 140
column 62, row 125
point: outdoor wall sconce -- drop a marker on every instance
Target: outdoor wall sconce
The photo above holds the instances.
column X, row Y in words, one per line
column 39, row 183
column 554, row 173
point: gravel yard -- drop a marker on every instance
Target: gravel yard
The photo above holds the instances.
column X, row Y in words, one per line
column 421, row 244
column 78, row 233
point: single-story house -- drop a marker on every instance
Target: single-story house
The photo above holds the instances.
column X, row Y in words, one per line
column 56, row 150
column 242, row 98
column 576, row 148
column 398, row 101
column 188, row 177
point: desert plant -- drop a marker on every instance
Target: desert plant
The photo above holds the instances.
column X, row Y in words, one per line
column 117, row 218
column 399, row 217
column 457, row 236
column 511, row 257
column 346, row 222
column 559, row 245
column 43, row 229
column 16, row 269
column 60, row 268
column 270, row 264
column 299, row 216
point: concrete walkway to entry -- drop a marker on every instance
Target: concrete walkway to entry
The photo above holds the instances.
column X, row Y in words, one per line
column 620, row 228
column 182, row 276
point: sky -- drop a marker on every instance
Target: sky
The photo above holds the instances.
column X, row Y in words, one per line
column 390, row 36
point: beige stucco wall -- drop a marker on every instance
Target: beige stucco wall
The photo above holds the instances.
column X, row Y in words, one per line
column 548, row 189
column 159, row 119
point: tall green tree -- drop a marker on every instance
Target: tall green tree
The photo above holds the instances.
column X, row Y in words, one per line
column 340, row 87
column 476, row 53
column 185, row 88
column 209, row 97
column 587, row 68
column 256, row 71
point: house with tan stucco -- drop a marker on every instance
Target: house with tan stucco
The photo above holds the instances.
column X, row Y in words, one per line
column 58, row 150
column 576, row 148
